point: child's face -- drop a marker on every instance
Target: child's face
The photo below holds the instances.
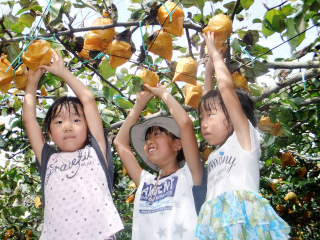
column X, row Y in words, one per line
column 161, row 148
column 214, row 125
column 68, row 130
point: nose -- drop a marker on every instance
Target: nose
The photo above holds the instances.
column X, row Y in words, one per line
column 204, row 123
column 67, row 126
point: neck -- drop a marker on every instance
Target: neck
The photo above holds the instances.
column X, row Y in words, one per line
column 170, row 168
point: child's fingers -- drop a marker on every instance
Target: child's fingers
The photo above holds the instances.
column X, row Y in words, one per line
column 54, row 54
column 44, row 68
column 146, row 87
column 58, row 54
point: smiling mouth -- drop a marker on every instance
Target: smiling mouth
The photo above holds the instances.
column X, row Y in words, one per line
column 151, row 150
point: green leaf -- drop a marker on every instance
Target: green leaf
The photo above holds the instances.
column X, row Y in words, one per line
column 108, row 93
column 123, row 103
column 4, row 112
column 287, row 10
column 27, row 5
column 27, row 19
column 259, row 69
column 18, row 28
column 268, row 139
column 200, row 4
column 273, row 115
column 96, row 91
column 292, row 33
column 152, row 105
column 55, row 9
column 235, row 44
column 256, row 20
column 189, row 3
column 255, row 89
column 66, row 7
column 18, row 211
column 278, row 23
column 269, row 162
column 246, row 3
column 3, row 143
column 135, row 86
column 106, row 70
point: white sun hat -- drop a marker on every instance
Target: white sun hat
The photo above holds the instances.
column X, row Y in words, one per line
column 138, row 133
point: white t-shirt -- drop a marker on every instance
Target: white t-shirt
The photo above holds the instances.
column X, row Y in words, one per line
column 232, row 168
column 78, row 203
column 172, row 216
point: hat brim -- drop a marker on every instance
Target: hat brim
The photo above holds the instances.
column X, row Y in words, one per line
column 138, row 133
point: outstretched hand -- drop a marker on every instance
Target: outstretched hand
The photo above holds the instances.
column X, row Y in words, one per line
column 158, row 91
column 144, row 97
column 34, row 76
column 57, row 66
column 210, row 42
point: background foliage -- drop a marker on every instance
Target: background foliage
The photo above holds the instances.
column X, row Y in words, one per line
column 290, row 157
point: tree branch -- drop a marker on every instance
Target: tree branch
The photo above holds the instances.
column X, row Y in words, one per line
column 304, row 156
column 189, row 43
column 187, row 24
column 158, row 114
column 309, row 101
column 293, row 65
column 286, row 82
column 235, row 10
column 268, row 9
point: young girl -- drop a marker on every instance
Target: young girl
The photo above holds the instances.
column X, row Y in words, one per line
column 77, row 178
column 164, row 206
column 233, row 208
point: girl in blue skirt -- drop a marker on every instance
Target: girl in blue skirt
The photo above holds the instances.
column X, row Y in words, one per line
column 233, row 208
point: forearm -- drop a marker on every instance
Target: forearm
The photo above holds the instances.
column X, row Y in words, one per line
column 208, row 79
column 79, row 89
column 123, row 134
column 29, row 103
column 176, row 110
column 223, row 75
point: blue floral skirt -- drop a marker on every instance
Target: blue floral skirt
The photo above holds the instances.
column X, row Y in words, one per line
column 240, row 215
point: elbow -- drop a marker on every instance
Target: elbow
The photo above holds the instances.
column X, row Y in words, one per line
column 116, row 142
column 186, row 123
column 87, row 97
column 226, row 86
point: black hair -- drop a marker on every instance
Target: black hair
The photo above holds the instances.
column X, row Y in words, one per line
column 150, row 130
column 208, row 102
column 56, row 107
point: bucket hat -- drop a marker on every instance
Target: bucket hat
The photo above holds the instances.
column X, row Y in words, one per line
column 138, row 133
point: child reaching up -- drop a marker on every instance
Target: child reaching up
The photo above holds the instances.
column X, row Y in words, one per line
column 233, row 208
column 76, row 178
column 164, row 206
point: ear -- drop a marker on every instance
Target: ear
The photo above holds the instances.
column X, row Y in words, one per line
column 50, row 136
column 177, row 145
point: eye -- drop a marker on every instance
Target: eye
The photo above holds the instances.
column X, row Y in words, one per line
column 157, row 132
column 58, row 122
column 77, row 120
column 211, row 114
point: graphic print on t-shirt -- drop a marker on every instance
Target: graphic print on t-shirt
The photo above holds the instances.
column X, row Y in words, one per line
column 71, row 166
column 163, row 199
column 221, row 165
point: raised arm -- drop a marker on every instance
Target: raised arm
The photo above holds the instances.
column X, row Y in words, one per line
column 33, row 129
column 85, row 96
column 122, row 140
column 229, row 95
column 188, row 138
column 208, row 80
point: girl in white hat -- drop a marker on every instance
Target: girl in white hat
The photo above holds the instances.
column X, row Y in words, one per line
column 166, row 205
